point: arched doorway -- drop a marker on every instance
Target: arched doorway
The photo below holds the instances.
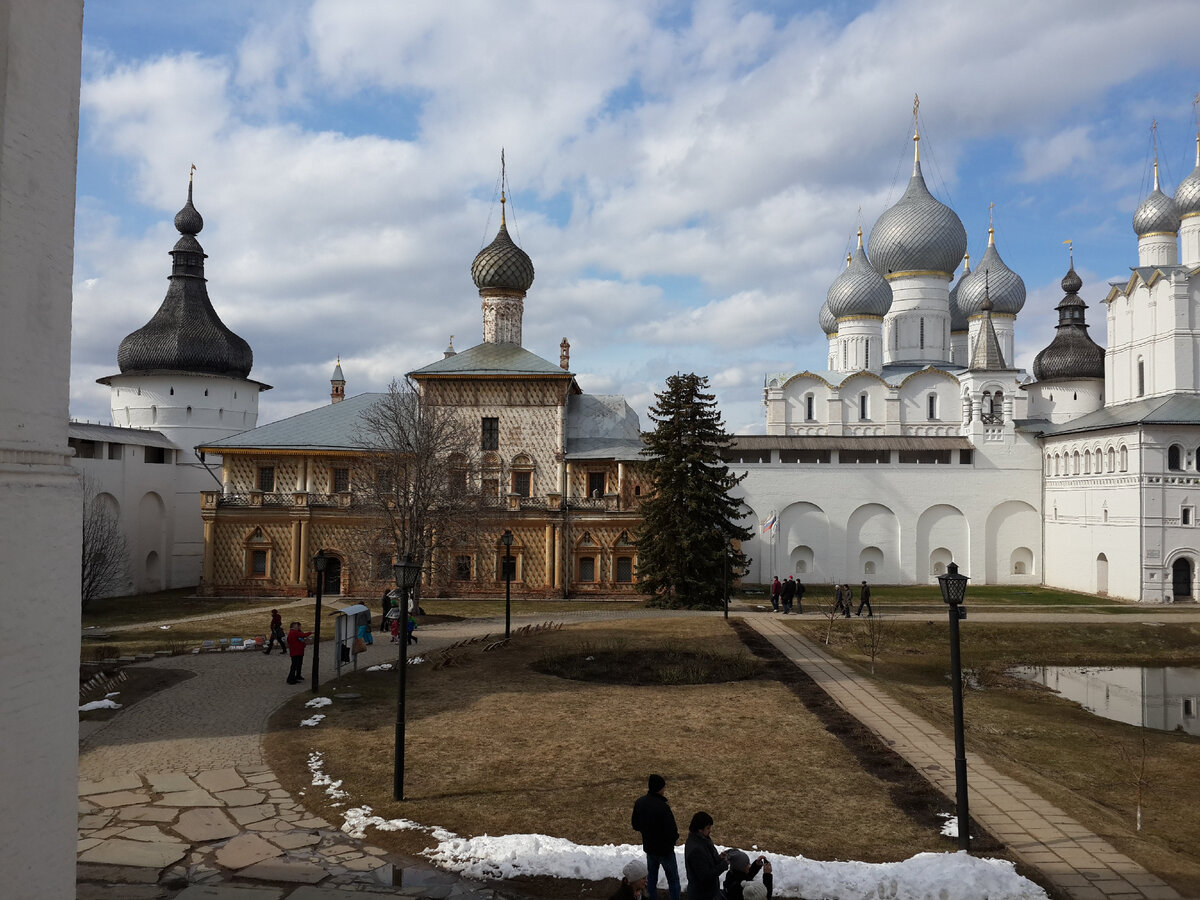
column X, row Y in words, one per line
column 333, row 576
column 1181, row 577
column 1102, row 574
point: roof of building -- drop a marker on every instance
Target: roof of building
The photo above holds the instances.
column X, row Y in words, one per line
column 992, row 278
column 331, row 427
column 186, row 334
column 919, row 233
column 1157, row 214
column 502, row 264
column 493, row 359
column 1174, row 409
column 986, row 355
column 1187, row 193
column 113, row 434
column 859, row 290
column 1072, row 354
column 833, row 442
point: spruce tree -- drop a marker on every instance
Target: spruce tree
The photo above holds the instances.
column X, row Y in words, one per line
column 689, row 520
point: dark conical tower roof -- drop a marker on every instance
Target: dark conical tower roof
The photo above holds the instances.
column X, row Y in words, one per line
column 1072, row 354
column 186, row 334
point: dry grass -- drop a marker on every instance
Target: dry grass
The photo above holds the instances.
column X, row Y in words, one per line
column 183, row 636
column 497, row 747
column 1078, row 761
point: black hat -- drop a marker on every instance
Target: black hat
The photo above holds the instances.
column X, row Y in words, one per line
column 657, row 783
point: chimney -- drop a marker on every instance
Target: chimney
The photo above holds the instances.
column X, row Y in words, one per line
column 564, row 355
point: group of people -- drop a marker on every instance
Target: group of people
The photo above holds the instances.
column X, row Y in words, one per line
column 843, row 599
column 703, row 864
column 392, row 624
column 784, row 593
column 293, row 642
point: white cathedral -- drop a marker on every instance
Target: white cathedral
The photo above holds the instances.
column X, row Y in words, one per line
column 918, row 442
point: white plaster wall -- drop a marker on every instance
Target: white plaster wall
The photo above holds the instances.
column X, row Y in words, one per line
column 917, row 297
column 1062, row 401
column 1189, row 240
column 40, row 44
column 219, row 406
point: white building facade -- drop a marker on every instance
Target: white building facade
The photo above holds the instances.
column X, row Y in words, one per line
column 918, row 443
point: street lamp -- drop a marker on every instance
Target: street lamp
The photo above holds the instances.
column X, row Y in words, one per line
column 407, row 573
column 954, row 588
column 320, row 561
column 506, row 539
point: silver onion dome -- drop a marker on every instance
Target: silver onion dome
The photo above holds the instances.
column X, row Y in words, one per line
column 1157, row 213
column 1072, row 354
column 828, row 320
column 859, row 290
column 1002, row 284
column 958, row 321
column 502, row 264
column 918, row 234
column 1187, row 195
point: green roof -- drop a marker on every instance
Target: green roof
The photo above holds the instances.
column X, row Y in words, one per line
column 1174, row 409
column 492, row 359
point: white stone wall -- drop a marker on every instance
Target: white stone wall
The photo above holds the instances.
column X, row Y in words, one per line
column 917, row 325
column 1154, row 323
column 40, row 42
column 902, row 519
column 188, row 409
column 1062, row 401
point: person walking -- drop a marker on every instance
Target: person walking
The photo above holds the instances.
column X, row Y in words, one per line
column 633, row 882
column 864, row 599
column 652, row 816
column 840, row 601
column 386, row 602
column 276, row 634
column 775, row 589
column 701, row 860
column 296, row 641
column 788, row 594
column 742, row 872
column 799, row 596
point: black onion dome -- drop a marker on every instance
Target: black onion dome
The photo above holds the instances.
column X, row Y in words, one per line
column 859, row 290
column 992, row 277
column 918, row 234
column 502, row 264
column 186, row 334
column 1072, row 354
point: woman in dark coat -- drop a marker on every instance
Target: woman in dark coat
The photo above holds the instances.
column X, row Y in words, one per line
column 701, row 860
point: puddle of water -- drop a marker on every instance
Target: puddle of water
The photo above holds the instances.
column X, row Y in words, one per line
column 1165, row 699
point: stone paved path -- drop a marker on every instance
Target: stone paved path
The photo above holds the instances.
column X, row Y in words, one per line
column 1077, row 862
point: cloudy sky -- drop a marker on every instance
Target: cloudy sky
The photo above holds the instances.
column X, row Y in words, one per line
column 687, row 177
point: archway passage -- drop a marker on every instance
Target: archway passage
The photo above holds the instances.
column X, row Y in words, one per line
column 1181, row 578
column 333, row 576
column 1102, row 574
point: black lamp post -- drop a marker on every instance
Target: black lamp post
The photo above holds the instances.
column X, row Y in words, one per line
column 320, row 561
column 506, row 539
column 954, row 588
column 407, row 573
column 726, row 579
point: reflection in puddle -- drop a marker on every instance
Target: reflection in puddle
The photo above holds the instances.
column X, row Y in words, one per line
column 1165, row 699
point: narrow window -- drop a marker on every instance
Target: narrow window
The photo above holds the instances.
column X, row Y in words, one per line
column 1141, row 377
column 587, row 568
column 266, row 479
column 867, row 356
column 1112, row 459
column 1124, row 458
column 1185, row 516
column 521, row 483
column 490, row 439
column 932, row 403
column 624, row 569
column 341, row 480
column 809, row 405
column 1173, row 461
column 862, row 407
column 922, row 333
column 595, row 484
column 258, row 563
column 845, row 356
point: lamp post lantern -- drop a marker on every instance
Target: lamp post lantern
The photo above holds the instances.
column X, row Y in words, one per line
column 407, row 573
column 507, row 539
column 320, row 561
column 954, row 588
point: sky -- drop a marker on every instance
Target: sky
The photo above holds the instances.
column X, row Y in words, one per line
column 686, row 177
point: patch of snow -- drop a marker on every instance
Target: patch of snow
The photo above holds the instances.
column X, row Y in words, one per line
column 382, row 667
column 415, row 660
column 99, row 704
column 315, row 720
column 318, row 702
column 922, row 877
column 112, row 694
column 164, row 627
column 950, row 826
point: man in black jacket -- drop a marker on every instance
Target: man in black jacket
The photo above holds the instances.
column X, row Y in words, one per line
column 652, row 816
column 788, row 594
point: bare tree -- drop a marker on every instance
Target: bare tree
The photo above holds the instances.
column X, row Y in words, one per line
column 872, row 636
column 827, row 606
column 105, row 560
column 420, row 478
